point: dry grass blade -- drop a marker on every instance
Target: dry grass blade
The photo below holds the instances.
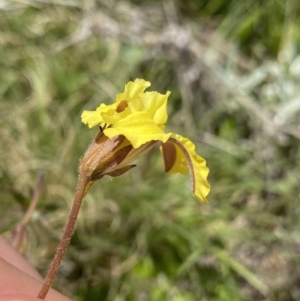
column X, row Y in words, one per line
column 19, row 231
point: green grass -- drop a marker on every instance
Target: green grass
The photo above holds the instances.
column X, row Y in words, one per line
column 234, row 77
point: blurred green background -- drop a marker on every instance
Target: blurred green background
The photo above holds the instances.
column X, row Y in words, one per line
column 234, row 70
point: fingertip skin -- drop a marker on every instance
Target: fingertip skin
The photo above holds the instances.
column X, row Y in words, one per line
column 9, row 254
column 18, row 298
column 17, row 285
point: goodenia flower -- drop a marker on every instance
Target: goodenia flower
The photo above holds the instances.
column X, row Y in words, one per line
column 132, row 126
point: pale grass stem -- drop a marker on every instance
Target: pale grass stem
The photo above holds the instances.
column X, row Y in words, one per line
column 19, row 231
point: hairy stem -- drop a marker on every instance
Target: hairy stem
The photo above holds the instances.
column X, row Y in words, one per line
column 81, row 190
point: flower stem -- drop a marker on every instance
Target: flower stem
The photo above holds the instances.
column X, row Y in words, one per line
column 81, row 190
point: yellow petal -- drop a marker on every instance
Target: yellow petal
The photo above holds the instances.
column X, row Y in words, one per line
column 182, row 158
column 138, row 128
column 174, row 159
column 133, row 90
column 91, row 118
column 154, row 103
column 133, row 99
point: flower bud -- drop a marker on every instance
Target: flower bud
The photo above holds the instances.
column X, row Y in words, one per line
column 104, row 156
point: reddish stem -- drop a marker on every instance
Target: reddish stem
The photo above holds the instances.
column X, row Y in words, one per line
column 65, row 240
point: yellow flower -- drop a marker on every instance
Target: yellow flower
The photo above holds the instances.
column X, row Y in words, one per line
column 132, row 126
